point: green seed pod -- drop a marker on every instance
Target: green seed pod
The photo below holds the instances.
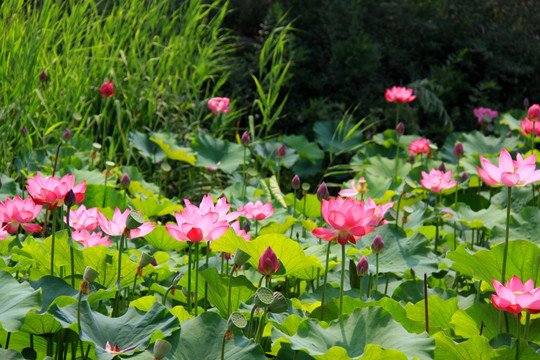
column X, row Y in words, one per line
column 236, row 321
column 134, row 220
column 263, row 297
column 161, row 349
column 90, row 274
column 241, row 257
column 279, row 304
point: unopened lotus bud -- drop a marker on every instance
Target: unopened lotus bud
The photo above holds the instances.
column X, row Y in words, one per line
column 281, row 151
column 363, row 267
column 526, row 102
column 240, row 257
column 246, row 226
column 263, row 297
column 145, row 260
column 125, row 180
column 458, row 150
column 295, row 182
column 442, row 167
column 412, row 159
column 43, row 76
column 24, row 131
column 134, row 220
column 413, row 273
column 161, row 349
column 70, row 199
column 246, row 139
column 509, row 133
column 534, row 112
column 400, row 129
column 279, row 304
column 378, row 244
column 322, row 192
column 464, row 176
column 369, row 136
column 268, row 262
column 66, row 135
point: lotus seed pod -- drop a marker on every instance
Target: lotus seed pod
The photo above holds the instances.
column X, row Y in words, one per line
column 161, row 349
column 134, row 220
column 241, row 257
column 263, row 297
column 279, row 304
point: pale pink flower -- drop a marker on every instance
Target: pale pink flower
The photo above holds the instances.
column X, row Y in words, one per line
column 219, row 105
column 19, row 212
column 527, row 127
column 399, row 94
column 90, row 239
column 221, row 208
column 355, row 188
column 257, row 211
column 519, row 172
column 485, row 114
column 3, row 233
column 195, row 224
column 419, row 146
column 51, row 191
column 516, row 296
column 83, row 218
column 349, row 219
column 115, row 349
column 240, row 232
column 117, row 226
column 437, row 180
column 379, row 211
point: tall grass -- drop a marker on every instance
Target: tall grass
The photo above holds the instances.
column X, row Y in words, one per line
column 164, row 59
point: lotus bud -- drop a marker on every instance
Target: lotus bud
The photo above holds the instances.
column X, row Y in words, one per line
column 412, row 159
column 134, row 220
column 43, row 76
column 107, row 89
column 246, row 139
column 464, row 176
column 442, row 167
column 413, row 273
column 24, row 131
column 363, row 267
column 526, row 102
column 458, row 150
column 268, row 262
column 534, row 112
column 378, row 244
column 66, row 135
column 281, row 151
column 161, row 349
column 322, row 192
column 295, row 182
column 70, row 199
column 125, row 180
column 400, row 129
column 263, row 297
column 369, row 137
column 279, row 304
column 509, row 133
column 246, row 226
column 88, row 276
column 240, row 257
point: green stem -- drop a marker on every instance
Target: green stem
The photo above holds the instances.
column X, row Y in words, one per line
column 436, row 243
column 527, row 324
column 397, row 157
column 164, row 300
column 244, row 177
column 79, row 323
column 134, row 285
column 457, row 184
column 206, row 283
column 376, row 273
column 53, row 216
column 189, row 278
column 508, row 207
column 361, row 287
column 260, row 328
column 518, row 336
column 229, row 294
column 223, row 348
column 71, row 252
column 293, row 213
column 325, row 278
column 196, row 298
column 250, row 328
column 397, row 210
column 342, row 279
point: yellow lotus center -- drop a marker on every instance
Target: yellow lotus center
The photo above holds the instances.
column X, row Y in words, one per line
column 519, row 292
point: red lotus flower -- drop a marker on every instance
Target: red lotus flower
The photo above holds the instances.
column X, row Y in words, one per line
column 52, row 191
column 257, row 211
column 519, row 172
column 19, row 212
column 437, row 180
column 268, row 262
column 485, row 115
column 419, row 146
column 516, row 296
column 349, row 218
column 107, row 89
column 219, row 105
column 534, row 112
column 527, row 127
column 399, row 94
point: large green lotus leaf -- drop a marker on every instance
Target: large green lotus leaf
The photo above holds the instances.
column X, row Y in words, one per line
column 146, row 147
column 312, row 207
column 385, row 168
column 401, row 252
column 151, row 206
column 524, row 226
column 169, row 145
column 491, row 217
column 51, row 288
column 217, row 153
column 335, row 138
column 201, row 338
column 91, row 177
column 353, row 332
column 16, row 299
column 40, row 324
column 162, row 240
column 475, row 348
column 281, row 227
column 476, row 142
column 134, row 328
column 96, row 192
column 440, row 313
column 105, row 262
column 267, row 152
column 288, row 251
column 486, row 265
column 9, row 187
column 304, row 147
column 241, row 290
column 10, row 355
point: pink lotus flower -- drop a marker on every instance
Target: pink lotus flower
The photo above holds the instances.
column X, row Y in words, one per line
column 268, row 262
column 19, row 212
column 485, row 115
column 399, row 94
column 419, row 146
column 107, row 89
column 240, row 232
column 349, row 218
column 516, row 296
column 117, row 226
column 83, row 218
column 115, row 349
column 527, row 127
column 257, row 211
column 519, row 172
column 356, row 187
column 3, row 233
column 204, row 223
column 534, row 112
column 90, row 239
column 51, row 191
column 221, row 208
column 379, row 212
column 219, row 105
column 437, row 180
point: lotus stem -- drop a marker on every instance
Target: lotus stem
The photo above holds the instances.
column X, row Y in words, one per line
column 189, row 278
column 72, row 256
column 53, row 213
column 527, row 324
column 376, row 273
column 426, row 306
column 260, row 328
column 164, row 300
column 195, row 299
column 244, row 177
column 508, row 208
column 229, row 294
column 206, row 283
column 342, row 279
column 325, row 278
